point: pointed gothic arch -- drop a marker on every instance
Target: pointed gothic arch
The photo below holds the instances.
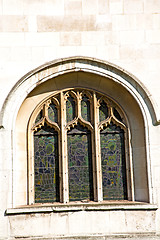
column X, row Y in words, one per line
column 81, row 72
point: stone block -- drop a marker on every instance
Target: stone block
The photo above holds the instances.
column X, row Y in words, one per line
column 156, row 21
column 37, row 53
column 66, row 51
column 11, row 39
column 54, row 7
column 1, row 7
column 73, row 23
column 73, row 8
column 153, row 36
column 151, row 6
column 123, row 22
column 135, row 221
column 156, row 176
column 70, row 39
column 12, row 7
column 116, row 6
column 103, row 23
column 3, row 225
column 110, row 52
column 13, row 23
column 155, row 133
column 77, row 223
column 19, row 53
column 129, row 22
column 42, row 39
column 103, row 7
column 127, row 51
column 34, row 7
column 111, row 37
column 86, row 51
column 93, row 39
column 89, row 7
column 119, row 227
column 154, row 151
column 20, row 198
column 6, row 177
column 5, row 53
column 60, row 23
column 32, row 24
column 132, row 37
column 55, row 224
column 50, row 53
column 135, row 6
column 153, row 51
column 95, row 224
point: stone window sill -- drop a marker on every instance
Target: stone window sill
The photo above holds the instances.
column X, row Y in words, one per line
column 81, row 206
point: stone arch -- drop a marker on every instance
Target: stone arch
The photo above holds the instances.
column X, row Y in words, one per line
column 107, row 78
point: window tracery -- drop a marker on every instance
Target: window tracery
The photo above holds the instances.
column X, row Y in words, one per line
column 79, row 149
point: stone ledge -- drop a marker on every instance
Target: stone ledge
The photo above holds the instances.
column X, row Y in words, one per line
column 132, row 236
column 75, row 207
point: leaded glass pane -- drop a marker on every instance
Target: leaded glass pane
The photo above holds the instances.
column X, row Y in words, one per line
column 46, row 169
column 39, row 116
column 70, row 108
column 85, row 108
column 103, row 111
column 80, row 164
column 53, row 113
column 113, row 163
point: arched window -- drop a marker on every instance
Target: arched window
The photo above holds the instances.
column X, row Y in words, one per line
column 79, row 149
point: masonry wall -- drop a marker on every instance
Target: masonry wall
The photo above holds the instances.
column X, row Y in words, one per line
column 123, row 32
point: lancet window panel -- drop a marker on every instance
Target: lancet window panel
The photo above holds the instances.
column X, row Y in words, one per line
column 46, row 165
column 80, row 164
column 113, row 163
column 79, row 149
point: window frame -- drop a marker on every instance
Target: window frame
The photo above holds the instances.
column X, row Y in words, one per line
column 62, row 138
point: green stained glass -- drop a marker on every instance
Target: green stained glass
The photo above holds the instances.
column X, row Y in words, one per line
column 52, row 113
column 103, row 111
column 80, row 164
column 85, row 108
column 113, row 163
column 70, row 109
column 39, row 116
column 46, row 168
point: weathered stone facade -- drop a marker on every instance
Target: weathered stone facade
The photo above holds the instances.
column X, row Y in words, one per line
column 108, row 46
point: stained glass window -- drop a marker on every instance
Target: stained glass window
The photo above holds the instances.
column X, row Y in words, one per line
column 74, row 136
column 113, row 163
column 103, row 111
column 52, row 113
column 80, row 164
column 46, row 165
column 85, row 108
column 70, row 108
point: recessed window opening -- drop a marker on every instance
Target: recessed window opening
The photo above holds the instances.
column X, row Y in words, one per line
column 79, row 149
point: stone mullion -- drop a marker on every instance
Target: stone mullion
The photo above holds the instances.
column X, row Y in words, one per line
column 64, row 160
column 78, row 105
column 98, row 172
column 31, row 187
